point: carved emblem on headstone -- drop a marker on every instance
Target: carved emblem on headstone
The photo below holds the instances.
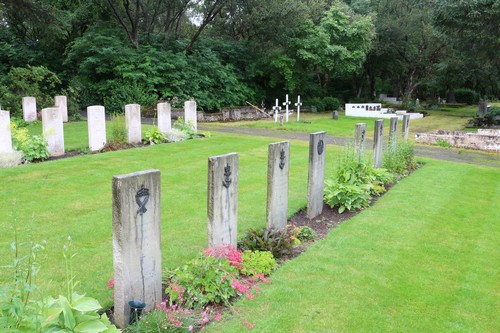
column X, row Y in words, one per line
column 321, row 147
column 142, row 198
column 282, row 159
column 227, row 174
column 381, row 128
column 363, row 135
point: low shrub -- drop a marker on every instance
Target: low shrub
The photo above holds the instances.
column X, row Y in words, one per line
column 33, row 148
column 490, row 118
column 279, row 242
column 469, row 96
column 331, row 103
column 118, row 129
column 399, row 159
column 346, row 196
column 187, row 128
column 154, row 136
column 257, row 262
column 306, row 233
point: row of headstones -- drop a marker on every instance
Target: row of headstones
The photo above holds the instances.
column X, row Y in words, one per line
column 137, row 212
column 53, row 119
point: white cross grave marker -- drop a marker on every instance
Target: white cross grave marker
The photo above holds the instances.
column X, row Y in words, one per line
column 276, row 110
column 286, row 103
column 298, row 105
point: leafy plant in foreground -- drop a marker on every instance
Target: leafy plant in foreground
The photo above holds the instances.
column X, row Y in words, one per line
column 278, row 242
column 257, row 262
column 306, row 233
column 154, row 136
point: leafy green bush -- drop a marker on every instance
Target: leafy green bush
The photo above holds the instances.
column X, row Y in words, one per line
column 354, row 181
column 306, row 233
column 317, row 102
column 33, row 148
column 491, row 118
column 257, row 262
column 331, row 103
column 278, row 242
column 154, row 136
column 201, row 281
column 399, row 159
column 118, row 129
column 187, row 128
column 469, row 96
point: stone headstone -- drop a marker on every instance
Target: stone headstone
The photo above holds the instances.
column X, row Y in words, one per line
column 136, row 242
column 164, row 117
column 393, row 130
column 190, row 116
column 29, row 109
column 316, row 176
column 5, row 133
column 133, row 123
column 96, row 121
column 335, row 115
column 377, row 143
column 482, row 108
column 360, row 137
column 53, row 130
column 277, row 184
column 222, row 207
column 62, row 103
column 406, row 126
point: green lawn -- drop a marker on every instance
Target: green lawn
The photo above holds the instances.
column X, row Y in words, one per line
column 73, row 197
column 425, row 258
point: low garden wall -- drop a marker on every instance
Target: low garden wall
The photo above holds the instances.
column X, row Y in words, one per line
column 484, row 139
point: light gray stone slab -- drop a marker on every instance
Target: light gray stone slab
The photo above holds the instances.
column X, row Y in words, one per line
column 277, row 184
column 133, row 123
column 53, row 130
column 29, row 109
column 190, row 116
column 222, row 204
column 96, row 121
column 62, row 103
column 136, row 242
column 393, row 131
column 360, row 137
column 378, row 138
column 316, row 176
column 5, row 132
column 164, row 117
column 406, row 126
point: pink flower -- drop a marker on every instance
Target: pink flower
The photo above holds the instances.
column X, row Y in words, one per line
column 218, row 317
column 247, row 323
column 190, row 328
column 240, row 287
column 111, row 282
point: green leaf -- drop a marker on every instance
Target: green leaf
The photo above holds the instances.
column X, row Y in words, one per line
column 86, row 304
column 93, row 326
column 69, row 318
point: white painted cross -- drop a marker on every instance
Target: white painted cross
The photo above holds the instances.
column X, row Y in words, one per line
column 286, row 103
column 276, row 110
column 298, row 105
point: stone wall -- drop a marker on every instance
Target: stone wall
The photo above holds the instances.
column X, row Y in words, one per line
column 229, row 114
column 484, row 139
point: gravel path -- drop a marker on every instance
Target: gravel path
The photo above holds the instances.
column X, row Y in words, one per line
column 445, row 154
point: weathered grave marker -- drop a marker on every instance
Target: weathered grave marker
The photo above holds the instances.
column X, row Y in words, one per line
column 276, row 110
column 136, row 242
column 377, row 143
column 393, row 131
column 190, row 116
column 53, row 130
column 5, row 133
column 133, row 123
column 316, row 176
column 406, row 126
column 29, row 109
column 96, row 121
column 360, row 138
column 335, row 115
column 222, row 207
column 62, row 103
column 277, row 184
column 164, row 117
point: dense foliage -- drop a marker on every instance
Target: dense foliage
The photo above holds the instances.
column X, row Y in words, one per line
column 227, row 52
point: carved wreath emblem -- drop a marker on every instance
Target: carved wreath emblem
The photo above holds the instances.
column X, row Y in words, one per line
column 227, row 176
column 282, row 159
column 142, row 198
column 320, row 147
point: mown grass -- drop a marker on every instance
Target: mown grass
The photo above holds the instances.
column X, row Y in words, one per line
column 73, row 197
column 425, row 258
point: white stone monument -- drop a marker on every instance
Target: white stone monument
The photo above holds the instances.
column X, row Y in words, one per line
column 360, row 137
column 222, row 208
column 316, row 176
column 286, row 103
column 96, row 121
column 164, row 117
column 29, row 109
column 5, row 133
column 62, row 103
column 136, row 242
column 53, row 130
column 190, row 116
column 298, row 105
column 406, row 126
column 133, row 123
column 277, row 184
column 276, row 109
